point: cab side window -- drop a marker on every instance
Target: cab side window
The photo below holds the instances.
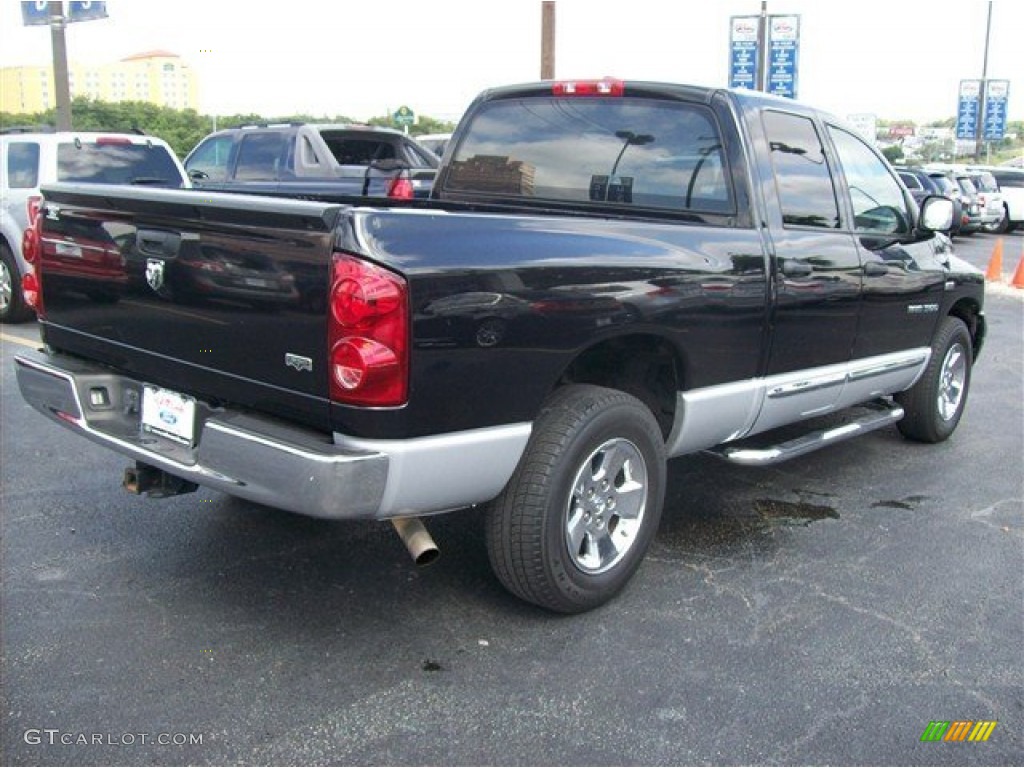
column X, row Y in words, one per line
column 879, row 206
column 802, row 174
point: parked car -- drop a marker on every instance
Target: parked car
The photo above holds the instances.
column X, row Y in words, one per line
column 31, row 159
column 990, row 199
column 971, row 219
column 1011, row 185
column 922, row 184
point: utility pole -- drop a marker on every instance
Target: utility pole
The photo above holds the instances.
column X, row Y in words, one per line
column 983, row 96
column 547, row 40
column 62, row 89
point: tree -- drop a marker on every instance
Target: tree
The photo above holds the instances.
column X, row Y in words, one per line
column 183, row 129
column 893, row 153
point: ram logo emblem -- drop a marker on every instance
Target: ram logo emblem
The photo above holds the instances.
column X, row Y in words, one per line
column 155, row 273
column 298, row 362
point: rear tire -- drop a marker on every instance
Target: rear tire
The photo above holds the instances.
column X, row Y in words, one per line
column 936, row 402
column 573, row 524
column 13, row 308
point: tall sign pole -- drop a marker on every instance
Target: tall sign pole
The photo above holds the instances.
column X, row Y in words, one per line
column 42, row 13
column 547, row 40
column 762, row 48
column 62, row 88
column 980, row 140
column 764, row 52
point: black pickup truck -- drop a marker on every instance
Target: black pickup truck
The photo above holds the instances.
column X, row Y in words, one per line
column 608, row 274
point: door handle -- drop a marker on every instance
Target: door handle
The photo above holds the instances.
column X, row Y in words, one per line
column 876, row 269
column 793, row 268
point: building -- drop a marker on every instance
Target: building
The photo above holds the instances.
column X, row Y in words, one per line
column 157, row 77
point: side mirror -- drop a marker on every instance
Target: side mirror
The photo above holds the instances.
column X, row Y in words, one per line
column 196, row 175
column 937, row 214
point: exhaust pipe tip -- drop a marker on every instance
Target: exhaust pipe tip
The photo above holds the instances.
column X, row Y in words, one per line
column 417, row 540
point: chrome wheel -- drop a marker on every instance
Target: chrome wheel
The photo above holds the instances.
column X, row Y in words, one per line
column 606, row 507
column 6, row 287
column 952, row 381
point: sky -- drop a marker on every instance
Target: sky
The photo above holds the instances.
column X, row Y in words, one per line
column 899, row 59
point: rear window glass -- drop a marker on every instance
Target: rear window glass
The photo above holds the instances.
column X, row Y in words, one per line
column 985, row 182
column 22, row 165
column 359, row 151
column 116, row 163
column 636, row 152
column 1015, row 180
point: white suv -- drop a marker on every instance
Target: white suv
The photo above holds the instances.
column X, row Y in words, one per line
column 29, row 160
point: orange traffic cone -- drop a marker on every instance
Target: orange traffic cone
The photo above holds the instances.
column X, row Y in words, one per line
column 995, row 264
column 1018, row 276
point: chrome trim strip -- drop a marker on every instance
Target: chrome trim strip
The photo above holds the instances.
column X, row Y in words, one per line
column 889, row 365
column 823, row 381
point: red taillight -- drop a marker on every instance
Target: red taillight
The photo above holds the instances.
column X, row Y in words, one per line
column 32, row 251
column 368, row 334
column 30, row 290
column 30, row 245
column 115, row 140
column 33, row 207
column 606, row 87
column 400, row 188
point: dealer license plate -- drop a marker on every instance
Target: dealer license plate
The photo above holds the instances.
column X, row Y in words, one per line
column 169, row 414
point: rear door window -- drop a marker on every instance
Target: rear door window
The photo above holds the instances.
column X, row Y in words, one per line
column 259, row 156
column 116, row 162
column 802, row 176
column 22, row 164
column 644, row 153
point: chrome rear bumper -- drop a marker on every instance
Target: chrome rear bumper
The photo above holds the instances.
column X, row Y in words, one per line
column 273, row 463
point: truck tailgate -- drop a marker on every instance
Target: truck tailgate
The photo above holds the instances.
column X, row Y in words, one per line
column 219, row 295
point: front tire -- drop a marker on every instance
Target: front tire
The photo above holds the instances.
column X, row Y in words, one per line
column 573, row 524
column 936, row 402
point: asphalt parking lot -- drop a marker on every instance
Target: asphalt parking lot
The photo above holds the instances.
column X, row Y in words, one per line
column 824, row 611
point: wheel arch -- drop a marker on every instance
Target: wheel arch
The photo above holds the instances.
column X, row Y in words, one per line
column 969, row 311
column 645, row 365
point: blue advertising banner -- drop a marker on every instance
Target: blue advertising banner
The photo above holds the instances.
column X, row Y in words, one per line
column 783, row 55
column 743, row 53
column 86, row 11
column 997, row 95
column 968, row 107
column 34, row 14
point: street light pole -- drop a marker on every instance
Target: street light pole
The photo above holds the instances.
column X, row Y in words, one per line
column 62, row 89
column 547, row 40
column 982, row 97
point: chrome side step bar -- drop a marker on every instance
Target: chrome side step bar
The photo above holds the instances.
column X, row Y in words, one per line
column 883, row 414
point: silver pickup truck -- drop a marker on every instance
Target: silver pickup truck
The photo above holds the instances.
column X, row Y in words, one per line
column 315, row 161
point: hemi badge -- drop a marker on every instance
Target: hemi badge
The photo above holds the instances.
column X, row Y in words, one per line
column 298, row 362
column 922, row 309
